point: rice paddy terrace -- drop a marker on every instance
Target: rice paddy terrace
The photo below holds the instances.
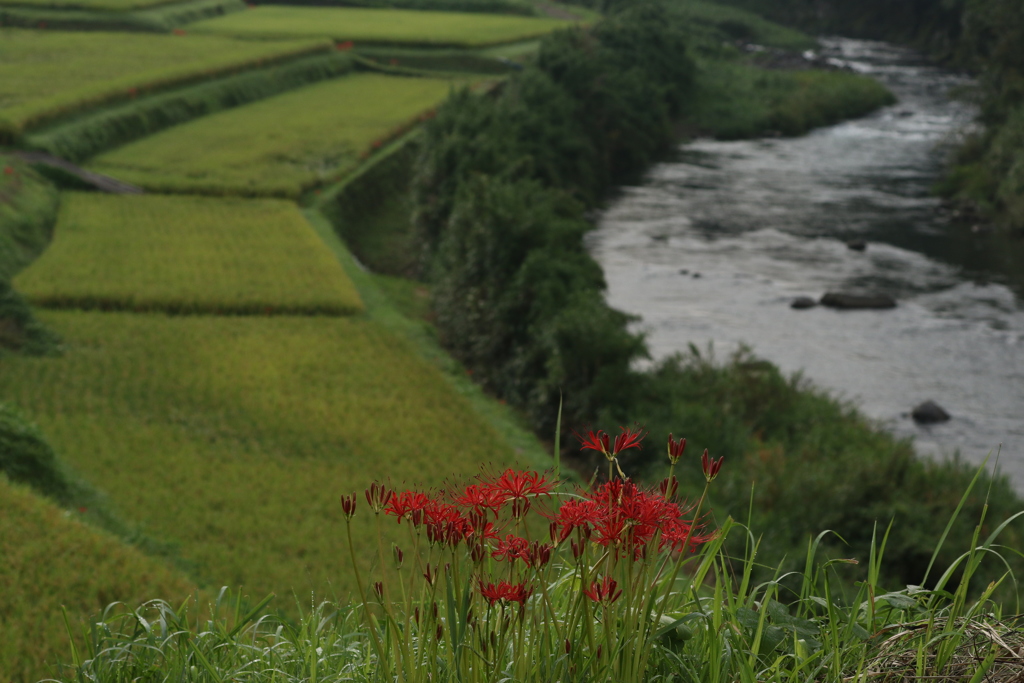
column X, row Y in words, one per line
column 226, row 369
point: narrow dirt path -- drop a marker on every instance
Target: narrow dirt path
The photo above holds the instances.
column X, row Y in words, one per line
column 101, row 182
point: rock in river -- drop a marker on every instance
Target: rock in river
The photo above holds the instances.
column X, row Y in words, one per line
column 802, row 302
column 929, row 412
column 852, row 301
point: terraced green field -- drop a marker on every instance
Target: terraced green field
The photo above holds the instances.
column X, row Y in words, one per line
column 187, row 255
column 280, row 146
column 102, row 5
column 45, row 75
column 52, row 559
column 387, row 26
column 235, row 436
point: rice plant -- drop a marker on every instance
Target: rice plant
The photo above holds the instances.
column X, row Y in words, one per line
column 187, row 255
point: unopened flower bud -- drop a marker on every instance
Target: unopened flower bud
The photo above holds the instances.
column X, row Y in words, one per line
column 399, row 556
column 348, row 506
column 675, row 449
column 378, row 496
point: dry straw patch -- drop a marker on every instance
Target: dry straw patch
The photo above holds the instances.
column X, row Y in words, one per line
column 187, row 255
column 982, row 649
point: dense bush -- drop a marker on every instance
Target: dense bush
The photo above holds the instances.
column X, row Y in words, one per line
column 501, row 188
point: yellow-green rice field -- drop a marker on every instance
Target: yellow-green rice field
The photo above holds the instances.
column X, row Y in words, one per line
column 99, row 5
column 49, row 559
column 234, row 436
column 45, row 75
column 388, row 26
column 280, row 146
column 187, row 255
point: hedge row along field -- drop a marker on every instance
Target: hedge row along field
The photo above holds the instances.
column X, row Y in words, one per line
column 395, row 27
column 187, row 255
column 47, row 75
column 280, row 146
column 233, row 437
column 50, row 560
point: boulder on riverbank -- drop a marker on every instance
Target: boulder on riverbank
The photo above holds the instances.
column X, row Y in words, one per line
column 929, row 412
column 857, row 301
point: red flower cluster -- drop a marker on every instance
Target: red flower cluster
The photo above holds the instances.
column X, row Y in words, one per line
column 466, row 518
column 505, row 591
column 346, row 46
column 622, row 515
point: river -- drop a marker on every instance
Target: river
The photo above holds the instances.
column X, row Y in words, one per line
column 716, row 243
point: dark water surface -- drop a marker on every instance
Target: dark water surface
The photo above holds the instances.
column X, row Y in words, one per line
column 765, row 221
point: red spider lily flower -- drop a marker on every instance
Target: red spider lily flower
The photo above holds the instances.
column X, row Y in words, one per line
column 595, row 441
column 606, row 591
column 710, row 466
column 445, row 525
column 512, row 548
column 629, row 438
column 347, row 45
column 481, row 498
column 675, row 449
column 378, row 496
column 408, row 504
column 574, row 514
column 519, row 488
column 178, row 32
column 348, row 506
column 679, row 534
column 8, row 170
column 506, row 592
column 42, row 24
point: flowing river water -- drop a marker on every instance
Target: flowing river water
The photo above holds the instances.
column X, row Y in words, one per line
column 718, row 241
